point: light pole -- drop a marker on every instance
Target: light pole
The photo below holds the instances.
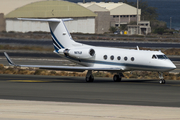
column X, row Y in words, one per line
column 137, row 15
column 137, row 12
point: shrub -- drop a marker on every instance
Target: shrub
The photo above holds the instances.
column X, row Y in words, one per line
column 159, row 31
column 112, row 29
column 38, row 72
column 1, row 67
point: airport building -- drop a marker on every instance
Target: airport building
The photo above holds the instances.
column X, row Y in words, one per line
column 120, row 13
column 84, row 19
column 89, row 17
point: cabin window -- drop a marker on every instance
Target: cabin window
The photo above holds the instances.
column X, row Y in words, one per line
column 125, row 58
column 112, row 57
column 118, row 57
column 154, row 57
column 105, row 57
column 132, row 59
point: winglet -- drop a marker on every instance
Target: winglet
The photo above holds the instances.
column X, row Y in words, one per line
column 9, row 60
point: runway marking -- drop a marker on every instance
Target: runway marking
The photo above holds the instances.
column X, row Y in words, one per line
column 32, row 81
column 176, row 85
column 29, row 81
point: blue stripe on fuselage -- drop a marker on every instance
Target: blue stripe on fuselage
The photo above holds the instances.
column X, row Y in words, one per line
column 120, row 64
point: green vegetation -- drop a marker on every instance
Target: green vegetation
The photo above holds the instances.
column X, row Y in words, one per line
column 158, row 27
column 112, row 29
column 150, row 14
column 147, row 12
column 123, row 27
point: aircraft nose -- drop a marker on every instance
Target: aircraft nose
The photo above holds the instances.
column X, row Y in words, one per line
column 172, row 66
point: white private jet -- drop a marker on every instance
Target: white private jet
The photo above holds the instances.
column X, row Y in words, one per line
column 92, row 58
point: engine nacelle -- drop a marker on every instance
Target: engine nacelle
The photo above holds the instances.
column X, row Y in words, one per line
column 80, row 53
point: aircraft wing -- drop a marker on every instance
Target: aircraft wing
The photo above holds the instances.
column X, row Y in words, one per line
column 65, row 68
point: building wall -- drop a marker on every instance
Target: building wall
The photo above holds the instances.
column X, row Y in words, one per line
column 102, row 22
column 124, row 18
column 81, row 25
column 2, row 22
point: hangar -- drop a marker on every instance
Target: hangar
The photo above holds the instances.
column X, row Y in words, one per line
column 84, row 19
column 88, row 17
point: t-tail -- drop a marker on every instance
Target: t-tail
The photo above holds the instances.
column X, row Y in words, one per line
column 60, row 36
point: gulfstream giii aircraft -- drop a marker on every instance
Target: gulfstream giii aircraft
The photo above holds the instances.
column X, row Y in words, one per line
column 92, row 58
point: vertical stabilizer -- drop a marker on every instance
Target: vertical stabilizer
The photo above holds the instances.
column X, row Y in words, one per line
column 60, row 36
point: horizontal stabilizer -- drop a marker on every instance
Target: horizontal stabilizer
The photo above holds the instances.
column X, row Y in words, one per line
column 46, row 20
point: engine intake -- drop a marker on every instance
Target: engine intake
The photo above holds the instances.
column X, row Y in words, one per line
column 79, row 53
column 91, row 52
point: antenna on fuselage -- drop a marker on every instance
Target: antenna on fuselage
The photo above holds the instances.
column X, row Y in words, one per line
column 137, row 47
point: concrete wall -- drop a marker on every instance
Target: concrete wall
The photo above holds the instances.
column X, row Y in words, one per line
column 81, row 25
column 102, row 22
column 2, row 23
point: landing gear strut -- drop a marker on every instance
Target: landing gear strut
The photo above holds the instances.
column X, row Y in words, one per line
column 117, row 77
column 89, row 76
column 162, row 81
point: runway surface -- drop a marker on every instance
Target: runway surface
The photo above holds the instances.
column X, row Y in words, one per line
column 92, row 42
column 103, row 90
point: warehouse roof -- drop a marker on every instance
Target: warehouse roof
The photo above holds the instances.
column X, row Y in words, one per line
column 7, row 6
column 95, row 8
column 48, row 9
column 119, row 8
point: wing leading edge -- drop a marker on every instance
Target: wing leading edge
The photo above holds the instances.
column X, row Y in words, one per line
column 65, row 68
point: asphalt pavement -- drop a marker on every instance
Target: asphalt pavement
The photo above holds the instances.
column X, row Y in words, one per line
column 102, row 90
column 112, row 43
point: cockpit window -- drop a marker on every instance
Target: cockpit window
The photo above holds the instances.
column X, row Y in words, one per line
column 154, row 57
column 159, row 57
column 162, row 57
column 166, row 57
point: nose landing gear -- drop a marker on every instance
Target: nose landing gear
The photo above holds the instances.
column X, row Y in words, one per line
column 162, row 81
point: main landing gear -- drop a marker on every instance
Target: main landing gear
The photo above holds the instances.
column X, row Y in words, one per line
column 118, row 77
column 89, row 76
column 162, row 81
